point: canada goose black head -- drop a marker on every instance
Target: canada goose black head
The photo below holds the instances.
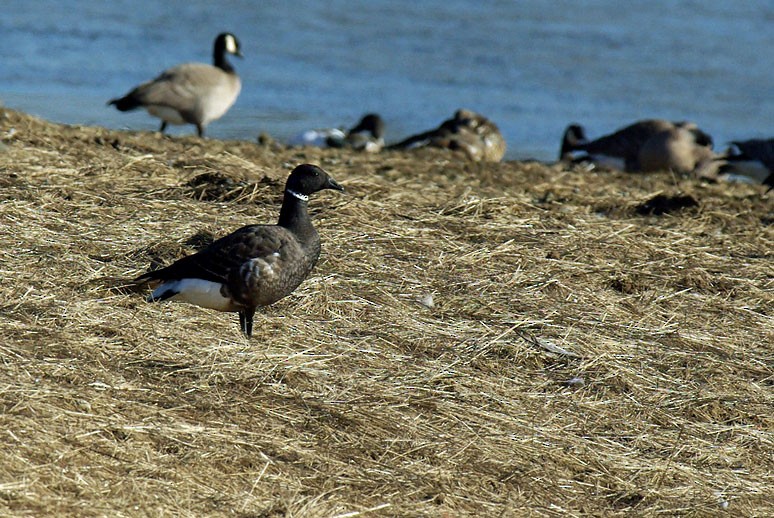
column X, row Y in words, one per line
column 225, row 43
column 371, row 123
column 574, row 136
column 701, row 138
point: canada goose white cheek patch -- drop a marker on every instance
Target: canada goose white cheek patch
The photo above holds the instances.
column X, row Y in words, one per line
column 231, row 45
column 196, row 291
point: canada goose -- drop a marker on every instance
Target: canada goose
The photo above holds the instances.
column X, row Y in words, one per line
column 192, row 93
column 679, row 149
column 367, row 135
column 620, row 149
column 254, row 266
column 467, row 131
column 752, row 158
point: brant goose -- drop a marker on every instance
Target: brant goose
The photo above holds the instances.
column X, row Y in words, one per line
column 467, row 131
column 367, row 135
column 751, row 158
column 254, row 266
column 620, row 149
column 193, row 93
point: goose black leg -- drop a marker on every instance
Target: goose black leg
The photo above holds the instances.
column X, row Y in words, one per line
column 163, row 127
column 246, row 321
column 200, row 130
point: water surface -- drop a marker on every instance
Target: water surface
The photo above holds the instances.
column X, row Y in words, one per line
column 531, row 66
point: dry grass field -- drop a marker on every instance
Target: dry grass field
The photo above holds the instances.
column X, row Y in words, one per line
column 509, row 339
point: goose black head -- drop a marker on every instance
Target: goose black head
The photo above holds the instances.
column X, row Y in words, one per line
column 307, row 179
column 702, row 138
column 573, row 137
column 371, row 123
column 227, row 43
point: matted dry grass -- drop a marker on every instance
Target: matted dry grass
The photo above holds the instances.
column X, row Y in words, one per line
column 577, row 357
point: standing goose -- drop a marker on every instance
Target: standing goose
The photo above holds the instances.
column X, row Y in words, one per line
column 620, row 149
column 192, row 93
column 254, row 266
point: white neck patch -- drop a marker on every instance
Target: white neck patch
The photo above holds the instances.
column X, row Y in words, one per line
column 302, row 197
column 231, row 47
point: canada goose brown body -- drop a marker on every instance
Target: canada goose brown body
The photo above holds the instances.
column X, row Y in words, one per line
column 621, row 149
column 677, row 149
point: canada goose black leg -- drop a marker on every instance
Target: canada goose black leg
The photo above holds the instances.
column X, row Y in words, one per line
column 246, row 321
column 200, row 130
column 163, row 127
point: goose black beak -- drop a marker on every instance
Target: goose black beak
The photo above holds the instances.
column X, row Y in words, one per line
column 333, row 184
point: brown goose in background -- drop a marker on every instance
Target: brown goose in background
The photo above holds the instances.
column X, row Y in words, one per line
column 620, row 149
column 193, row 93
column 679, row 149
column 467, row 131
column 254, row 266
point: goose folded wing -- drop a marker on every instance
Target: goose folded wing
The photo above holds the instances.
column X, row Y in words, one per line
column 215, row 262
column 178, row 87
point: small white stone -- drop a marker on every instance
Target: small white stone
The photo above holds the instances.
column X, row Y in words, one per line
column 427, row 300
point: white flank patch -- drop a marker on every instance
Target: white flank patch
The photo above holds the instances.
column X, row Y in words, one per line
column 316, row 138
column 231, row 47
column 165, row 113
column 196, row 291
column 610, row 162
column 374, row 146
column 418, row 144
column 752, row 168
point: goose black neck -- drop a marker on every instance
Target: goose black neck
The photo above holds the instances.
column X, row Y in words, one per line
column 220, row 61
column 294, row 216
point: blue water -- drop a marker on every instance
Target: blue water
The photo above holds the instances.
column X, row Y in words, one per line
column 531, row 66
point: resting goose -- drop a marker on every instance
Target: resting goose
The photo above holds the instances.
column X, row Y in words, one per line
column 367, row 135
column 467, row 131
column 679, row 149
column 620, row 149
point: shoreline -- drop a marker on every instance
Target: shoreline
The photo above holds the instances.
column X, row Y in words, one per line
column 477, row 338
